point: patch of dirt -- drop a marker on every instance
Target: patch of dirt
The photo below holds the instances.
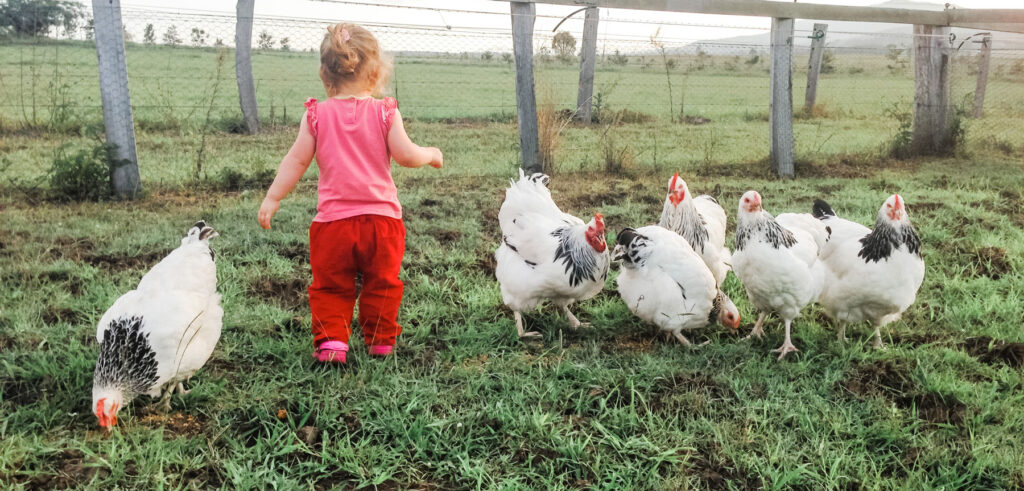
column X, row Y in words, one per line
column 927, row 206
column 24, row 392
column 295, row 252
column 485, row 263
column 52, row 315
column 309, row 435
column 935, row 408
column 886, row 378
column 122, row 262
column 71, row 248
column 175, row 425
column 916, row 339
column 991, row 262
column 995, row 351
column 446, row 236
column 718, row 471
column 892, row 380
column 69, row 470
column 697, row 391
column 289, row 293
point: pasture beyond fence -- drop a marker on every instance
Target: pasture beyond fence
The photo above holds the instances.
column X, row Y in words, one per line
column 665, row 91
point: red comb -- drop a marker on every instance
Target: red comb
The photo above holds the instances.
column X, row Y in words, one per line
column 672, row 183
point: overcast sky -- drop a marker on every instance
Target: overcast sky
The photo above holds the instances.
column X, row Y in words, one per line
column 455, row 18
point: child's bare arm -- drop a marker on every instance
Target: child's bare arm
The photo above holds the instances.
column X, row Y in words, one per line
column 292, row 167
column 408, row 154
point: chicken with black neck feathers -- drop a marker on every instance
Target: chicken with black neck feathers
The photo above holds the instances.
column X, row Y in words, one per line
column 776, row 259
column 156, row 336
column 701, row 221
column 546, row 255
column 664, row 281
column 871, row 274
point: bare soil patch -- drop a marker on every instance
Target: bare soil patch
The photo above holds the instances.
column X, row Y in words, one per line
column 995, row 351
column 289, row 293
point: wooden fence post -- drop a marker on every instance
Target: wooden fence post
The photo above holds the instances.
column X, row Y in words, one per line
column 243, row 65
column 931, row 89
column 116, row 99
column 523, row 16
column 814, row 66
column 780, row 113
column 983, row 63
column 588, row 58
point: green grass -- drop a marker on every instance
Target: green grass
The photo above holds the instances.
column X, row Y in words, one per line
column 466, row 404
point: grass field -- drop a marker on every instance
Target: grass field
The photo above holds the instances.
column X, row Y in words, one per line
column 465, row 403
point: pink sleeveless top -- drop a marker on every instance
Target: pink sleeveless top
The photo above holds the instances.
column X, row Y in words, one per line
column 353, row 157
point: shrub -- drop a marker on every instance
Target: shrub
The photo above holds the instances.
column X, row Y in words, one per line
column 83, row 175
column 229, row 179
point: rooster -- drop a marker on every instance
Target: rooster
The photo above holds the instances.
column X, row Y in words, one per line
column 158, row 335
column 663, row 281
column 701, row 221
column 545, row 254
column 776, row 259
column 871, row 274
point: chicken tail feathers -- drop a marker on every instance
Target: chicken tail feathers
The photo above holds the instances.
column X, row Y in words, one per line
column 821, row 209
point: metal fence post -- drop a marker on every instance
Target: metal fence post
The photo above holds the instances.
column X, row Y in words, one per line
column 116, row 100
column 931, row 89
column 588, row 58
column 814, row 66
column 780, row 113
column 243, row 65
column 523, row 16
column 984, row 59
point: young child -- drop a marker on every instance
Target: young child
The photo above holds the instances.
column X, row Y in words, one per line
column 358, row 225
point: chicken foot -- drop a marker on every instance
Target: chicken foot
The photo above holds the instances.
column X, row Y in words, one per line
column 757, row 331
column 519, row 327
column 787, row 345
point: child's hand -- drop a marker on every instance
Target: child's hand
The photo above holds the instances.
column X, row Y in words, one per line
column 267, row 210
column 437, row 160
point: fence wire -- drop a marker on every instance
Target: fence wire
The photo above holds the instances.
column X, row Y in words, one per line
column 665, row 93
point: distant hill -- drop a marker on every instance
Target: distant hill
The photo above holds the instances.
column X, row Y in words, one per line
column 859, row 36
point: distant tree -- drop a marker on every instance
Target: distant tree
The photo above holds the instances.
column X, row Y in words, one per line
column 90, row 28
column 198, row 36
column 219, row 42
column 171, row 37
column 149, row 34
column 71, row 24
column 37, row 17
column 619, row 59
column 487, row 56
column 507, row 58
column 285, row 44
column 265, row 41
column 564, row 44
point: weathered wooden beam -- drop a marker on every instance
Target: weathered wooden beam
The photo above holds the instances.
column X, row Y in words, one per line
column 1009, row 20
column 115, row 97
column 243, row 66
column 984, row 59
column 523, row 17
column 780, row 112
column 931, row 90
column 814, row 66
column 588, row 58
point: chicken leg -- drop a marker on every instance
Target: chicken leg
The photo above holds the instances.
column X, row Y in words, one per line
column 686, row 342
column 757, row 331
column 878, row 337
column 165, row 399
column 787, row 345
column 573, row 321
column 841, row 334
column 519, row 327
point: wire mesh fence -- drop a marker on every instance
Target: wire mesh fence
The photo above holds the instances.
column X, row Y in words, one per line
column 665, row 92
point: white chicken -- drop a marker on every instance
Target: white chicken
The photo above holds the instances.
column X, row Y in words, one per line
column 663, row 281
column 870, row 275
column 546, row 255
column 158, row 335
column 776, row 259
column 701, row 221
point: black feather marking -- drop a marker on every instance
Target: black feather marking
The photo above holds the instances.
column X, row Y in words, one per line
column 885, row 238
column 578, row 257
column 634, row 244
column 681, row 290
column 821, row 209
column 766, row 227
column 531, row 264
column 213, row 257
column 126, row 360
column 510, row 246
column 201, row 224
column 716, row 308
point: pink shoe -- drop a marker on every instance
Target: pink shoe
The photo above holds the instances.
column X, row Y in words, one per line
column 331, row 352
column 381, row 350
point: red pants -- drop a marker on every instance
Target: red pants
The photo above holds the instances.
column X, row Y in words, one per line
column 369, row 244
